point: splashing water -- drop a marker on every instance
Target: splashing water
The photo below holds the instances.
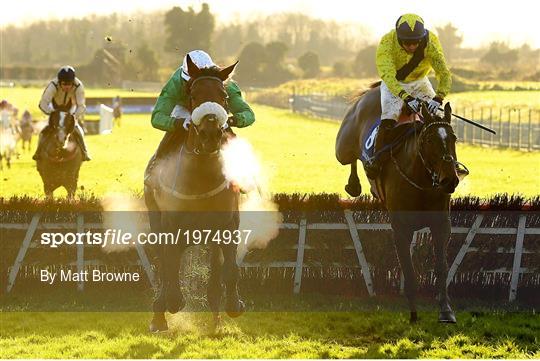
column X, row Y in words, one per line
column 258, row 213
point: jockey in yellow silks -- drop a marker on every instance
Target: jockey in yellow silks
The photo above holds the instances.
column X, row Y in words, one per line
column 405, row 56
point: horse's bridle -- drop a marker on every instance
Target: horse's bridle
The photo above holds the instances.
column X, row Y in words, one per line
column 435, row 177
column 196, row 151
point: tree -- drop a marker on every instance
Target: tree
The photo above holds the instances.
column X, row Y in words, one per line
column 203, row 28
column 147, row 64
column 250, row 63
column 339, row 69
column 310, row 65
column 499, row 55
column 364, row 62
column 187, row 30
column 450, row 40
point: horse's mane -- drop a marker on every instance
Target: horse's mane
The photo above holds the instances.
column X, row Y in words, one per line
column 358, row 94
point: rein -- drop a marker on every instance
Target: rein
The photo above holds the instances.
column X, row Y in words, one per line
column 434, row 176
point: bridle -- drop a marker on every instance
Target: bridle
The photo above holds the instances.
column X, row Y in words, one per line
column 446, row 157
column 197, row 151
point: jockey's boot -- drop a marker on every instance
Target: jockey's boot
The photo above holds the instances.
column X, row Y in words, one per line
column 80, row 139
column 373, row 169
column 41, row 140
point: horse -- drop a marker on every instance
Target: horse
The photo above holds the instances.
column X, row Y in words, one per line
column 26, row 130
column 415, row 185
column 191, row 193
column 60, row 157
column 8, row 149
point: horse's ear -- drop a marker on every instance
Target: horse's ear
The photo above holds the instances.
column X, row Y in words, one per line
column 224, row 73
column 425, row 113
column 447, row 112
column 192, row 69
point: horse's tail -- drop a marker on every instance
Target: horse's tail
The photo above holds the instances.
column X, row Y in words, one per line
column 354, row 97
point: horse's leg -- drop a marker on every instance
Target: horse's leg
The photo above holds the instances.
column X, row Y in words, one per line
column 215, row 288
column 402, row 240
column 159, row 305
column 48, row 189
column 71, row 188
column 233, row 305
column 169, row 295
column 353, row 187
column 441, row 234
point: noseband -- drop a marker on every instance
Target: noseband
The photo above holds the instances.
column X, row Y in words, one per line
column 197, row 151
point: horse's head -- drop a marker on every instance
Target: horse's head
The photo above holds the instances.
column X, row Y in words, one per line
column 208, row 105
column 62, row 124
column 438, row 149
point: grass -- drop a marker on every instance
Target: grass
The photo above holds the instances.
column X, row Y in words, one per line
column 28, row 98
column 297, row 153
column 378, row 329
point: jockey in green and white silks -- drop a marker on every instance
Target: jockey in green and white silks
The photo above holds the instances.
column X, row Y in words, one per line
column 174, row 97
column 405, row 56
column 64, row 93
column 171, row 110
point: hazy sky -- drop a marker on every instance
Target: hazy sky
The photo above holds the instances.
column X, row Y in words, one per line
column 513, row 21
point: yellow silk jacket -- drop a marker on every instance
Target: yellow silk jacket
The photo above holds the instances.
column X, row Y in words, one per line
column 391, row 57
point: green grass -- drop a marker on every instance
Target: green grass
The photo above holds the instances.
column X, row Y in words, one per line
column 297, row 153
column 379, row 333
column 262, row 335
column 28, row 98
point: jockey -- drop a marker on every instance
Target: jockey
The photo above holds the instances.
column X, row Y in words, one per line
column 64, row 93
column 171, row 114
column 26, row 118
column 404, row 58
column 5, row 116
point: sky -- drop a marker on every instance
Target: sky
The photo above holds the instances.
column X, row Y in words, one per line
column 480, row 22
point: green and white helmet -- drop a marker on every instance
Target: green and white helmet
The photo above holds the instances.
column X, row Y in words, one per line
column 199, row 58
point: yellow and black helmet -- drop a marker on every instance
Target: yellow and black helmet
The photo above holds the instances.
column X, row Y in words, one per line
column 410, row 27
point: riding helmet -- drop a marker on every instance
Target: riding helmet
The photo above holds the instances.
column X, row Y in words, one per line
column 410, row 27
column 199, row 58
column 66, row 74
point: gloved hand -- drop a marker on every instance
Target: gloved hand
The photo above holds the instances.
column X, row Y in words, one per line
column 232, row 122
column 434, row 104
column 413, row 104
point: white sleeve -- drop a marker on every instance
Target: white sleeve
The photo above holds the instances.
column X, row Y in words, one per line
column 46, row 99
column 80, row 100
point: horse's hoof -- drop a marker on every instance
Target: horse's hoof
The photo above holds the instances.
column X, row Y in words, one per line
column 236, row 311
column 447, row 317
column 156, row 327
column 414, row 317
column 354, row 190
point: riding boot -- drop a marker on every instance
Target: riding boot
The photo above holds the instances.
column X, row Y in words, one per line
column 80, row 140
column 41, row 141
column 373, row 169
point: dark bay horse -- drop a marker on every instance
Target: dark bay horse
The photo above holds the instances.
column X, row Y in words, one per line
column 61, row 157
column 416, row 184
column 190, row 193
column 26, row 130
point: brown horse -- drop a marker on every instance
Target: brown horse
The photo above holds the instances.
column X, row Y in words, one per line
column 416, row 185
column 60, row 158
column 191, row 194
column 26, row 130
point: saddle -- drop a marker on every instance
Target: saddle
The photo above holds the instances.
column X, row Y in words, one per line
column 407, row 126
